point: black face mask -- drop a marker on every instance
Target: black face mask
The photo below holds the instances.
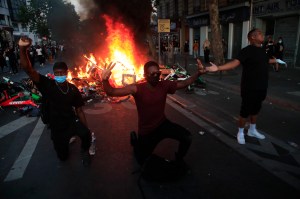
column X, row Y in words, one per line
column 153, row 80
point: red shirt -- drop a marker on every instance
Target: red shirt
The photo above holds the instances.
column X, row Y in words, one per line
column 151, row 103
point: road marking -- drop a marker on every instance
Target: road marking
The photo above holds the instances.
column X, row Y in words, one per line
column 297, row 93
column 12, row 126
column 20, row 165
column 286, row 172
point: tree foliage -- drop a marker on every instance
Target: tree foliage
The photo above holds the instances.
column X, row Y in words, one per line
column 53, row 19
column 35, row 16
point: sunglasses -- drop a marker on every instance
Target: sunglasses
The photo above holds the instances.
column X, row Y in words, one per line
column 156, row 73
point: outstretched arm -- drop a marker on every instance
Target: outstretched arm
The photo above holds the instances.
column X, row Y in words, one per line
column 190, row 80
column 111, row 91
column 229, row 65
column 24, row 44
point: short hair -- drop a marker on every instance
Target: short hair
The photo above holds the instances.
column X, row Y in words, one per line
column 60, row 65
column 149, row 64
column 252, row 32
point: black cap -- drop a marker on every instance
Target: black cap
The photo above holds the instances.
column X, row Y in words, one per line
column 60, row 65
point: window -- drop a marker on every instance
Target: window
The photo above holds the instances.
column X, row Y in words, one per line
column 24, row 27
column 2, row 20
column 16, row 27
column 197, row 6
column 2, row 4
column 167, row 10
column 176, row 8
column 185, row 8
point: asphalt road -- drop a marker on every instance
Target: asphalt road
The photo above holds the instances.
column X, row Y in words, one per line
column 219, row 167
column 216, row 169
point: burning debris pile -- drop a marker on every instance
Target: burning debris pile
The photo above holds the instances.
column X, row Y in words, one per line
column 119, row 48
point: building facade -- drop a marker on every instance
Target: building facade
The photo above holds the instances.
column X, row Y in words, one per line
column 19, row 28
column 6, row 30
column 280, row 18
column 10, row 26
column 237, row 17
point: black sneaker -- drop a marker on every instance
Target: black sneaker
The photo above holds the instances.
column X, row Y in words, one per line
column 133, row 138
column 86, row 158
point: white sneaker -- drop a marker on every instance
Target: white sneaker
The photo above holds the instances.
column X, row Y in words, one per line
column 256, row 134
column 72, row 139
column 241, row 138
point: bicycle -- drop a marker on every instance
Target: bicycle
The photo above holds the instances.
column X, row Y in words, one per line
column 14, row 94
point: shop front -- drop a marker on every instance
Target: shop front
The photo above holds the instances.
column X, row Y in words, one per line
column 234, row 23
column 281, row 18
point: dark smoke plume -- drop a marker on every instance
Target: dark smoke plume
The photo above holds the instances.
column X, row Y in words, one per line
column 133, row 13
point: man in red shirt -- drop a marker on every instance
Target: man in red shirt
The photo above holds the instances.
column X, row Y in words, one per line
column 150, row 98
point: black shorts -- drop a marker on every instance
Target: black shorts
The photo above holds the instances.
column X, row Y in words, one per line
column 147, row 143
column 251, row 102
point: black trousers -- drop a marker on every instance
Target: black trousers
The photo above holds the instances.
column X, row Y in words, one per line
column 61, row 138
column 147, row 143
column 206, row 55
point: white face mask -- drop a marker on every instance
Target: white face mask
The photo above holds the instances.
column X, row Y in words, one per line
column 280, row 41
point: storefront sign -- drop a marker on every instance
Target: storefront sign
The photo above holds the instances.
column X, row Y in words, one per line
column 293, row 4
column 199, row 21
column 268, row 7
column 163, row 25
column 227, row 16
column 271, row 7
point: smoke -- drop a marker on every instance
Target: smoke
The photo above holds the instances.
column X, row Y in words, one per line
column 134, row 13
column 83, row 7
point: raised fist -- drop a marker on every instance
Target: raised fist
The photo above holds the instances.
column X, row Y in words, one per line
column 24, row 41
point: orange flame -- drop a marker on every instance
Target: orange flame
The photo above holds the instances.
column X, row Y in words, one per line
column 123, row 51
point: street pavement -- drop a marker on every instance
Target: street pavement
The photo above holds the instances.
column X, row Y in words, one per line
column 219, row 167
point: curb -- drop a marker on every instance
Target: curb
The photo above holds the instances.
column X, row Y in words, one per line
column 283, row 103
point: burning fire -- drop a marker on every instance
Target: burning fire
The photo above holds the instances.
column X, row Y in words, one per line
column 121, row 50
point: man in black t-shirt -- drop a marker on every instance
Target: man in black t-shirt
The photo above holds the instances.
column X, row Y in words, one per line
column 66, row 116
column 254, row 82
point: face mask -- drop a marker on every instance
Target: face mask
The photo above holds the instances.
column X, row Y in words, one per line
column 153, row 79
column 60, row 79
column 280, row 41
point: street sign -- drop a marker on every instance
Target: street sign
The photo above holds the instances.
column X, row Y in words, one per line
column 163, row 25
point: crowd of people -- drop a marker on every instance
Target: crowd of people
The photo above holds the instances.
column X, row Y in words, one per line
column 9, row 58
column 37, row 54
column 274, row 49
